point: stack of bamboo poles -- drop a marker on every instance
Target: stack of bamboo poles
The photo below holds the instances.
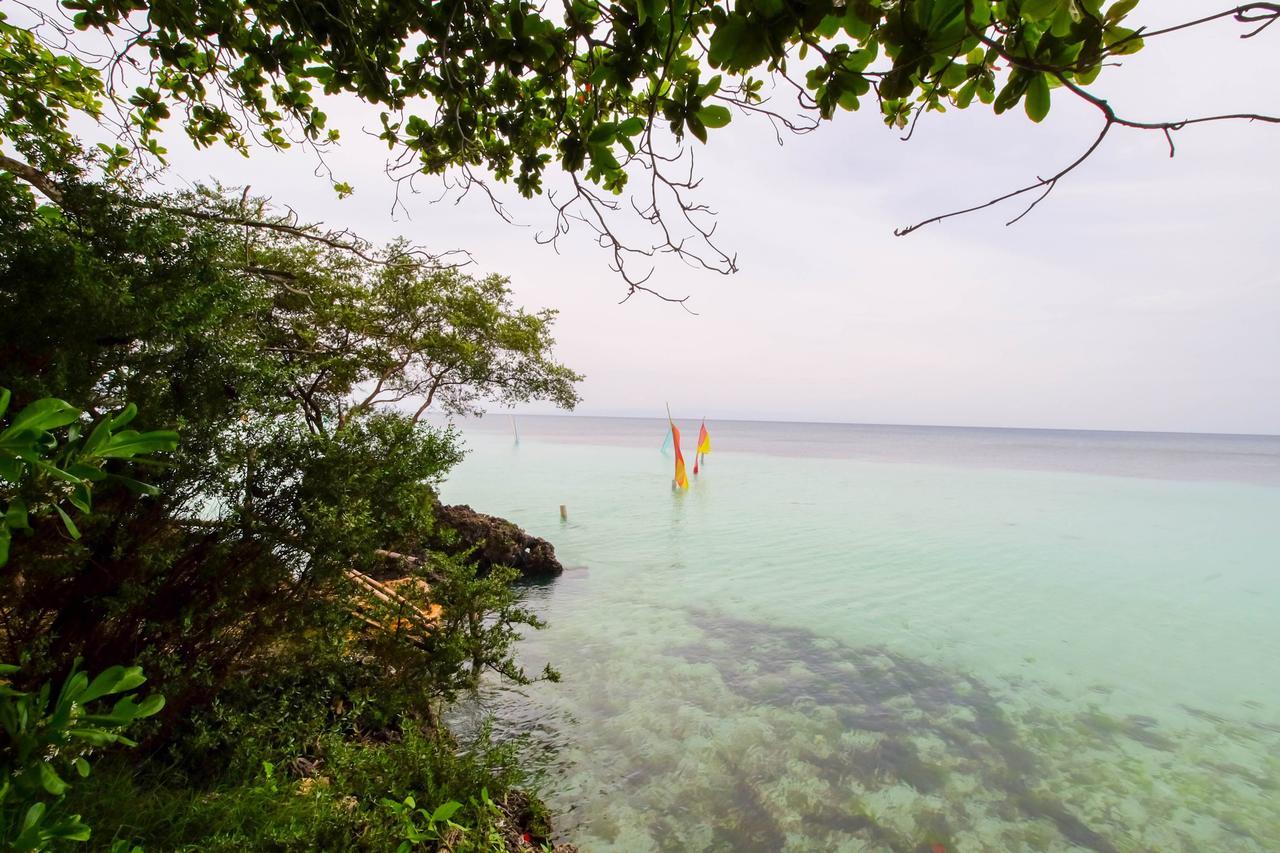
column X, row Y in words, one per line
column 382, row 600
column 381, row 606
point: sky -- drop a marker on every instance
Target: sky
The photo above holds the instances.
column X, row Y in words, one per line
column 1143, row 294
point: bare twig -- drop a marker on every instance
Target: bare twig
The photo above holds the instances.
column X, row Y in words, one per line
column 1268, row 12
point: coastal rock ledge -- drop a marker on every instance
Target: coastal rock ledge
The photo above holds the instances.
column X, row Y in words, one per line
column 498, row 542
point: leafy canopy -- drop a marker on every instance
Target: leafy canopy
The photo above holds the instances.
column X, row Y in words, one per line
column 512, row 85
column 602, row 90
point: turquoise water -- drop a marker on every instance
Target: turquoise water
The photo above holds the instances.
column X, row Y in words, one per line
column 875, row 638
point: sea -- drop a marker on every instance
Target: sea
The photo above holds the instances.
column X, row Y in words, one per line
column 891, row 638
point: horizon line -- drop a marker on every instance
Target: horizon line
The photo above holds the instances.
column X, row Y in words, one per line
column 880, row 424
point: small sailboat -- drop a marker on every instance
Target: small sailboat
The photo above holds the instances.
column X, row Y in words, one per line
column 681, row 479
column 515, row 429
column 703, row 448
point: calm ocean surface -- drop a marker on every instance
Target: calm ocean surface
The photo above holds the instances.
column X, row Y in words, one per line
column 888, row 638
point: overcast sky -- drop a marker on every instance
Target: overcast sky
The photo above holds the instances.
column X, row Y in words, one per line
column 1142, row 294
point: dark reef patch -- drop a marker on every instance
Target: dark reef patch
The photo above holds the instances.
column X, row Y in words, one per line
column 902, row 703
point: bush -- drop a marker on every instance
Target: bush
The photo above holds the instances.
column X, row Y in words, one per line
column 339, row 800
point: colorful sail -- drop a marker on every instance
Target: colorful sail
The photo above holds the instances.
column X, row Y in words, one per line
column 704, row 446
column 682, row 479
column 666, row 442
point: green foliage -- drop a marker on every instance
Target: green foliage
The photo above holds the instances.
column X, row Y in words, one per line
column 38, row 473
column 420, row 826
column 263, row 348
column 249, row 323
column 336, row 799
column 366, row 486
column 512, row 86
column 286, row 363
column 47, row 737
column 480, row 624
column 41, row 89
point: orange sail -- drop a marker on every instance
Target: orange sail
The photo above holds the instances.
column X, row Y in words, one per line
column 682, row 479
column 704, row 446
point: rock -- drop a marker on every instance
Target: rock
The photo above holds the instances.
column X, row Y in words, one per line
column 498, row 542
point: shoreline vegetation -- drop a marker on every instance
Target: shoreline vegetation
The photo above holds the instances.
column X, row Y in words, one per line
column 232, row 607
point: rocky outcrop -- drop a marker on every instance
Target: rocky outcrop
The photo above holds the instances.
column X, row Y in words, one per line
column 497, row 541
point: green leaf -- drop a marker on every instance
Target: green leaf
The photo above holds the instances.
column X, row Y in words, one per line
column 130, row 443
column 57, row 473
column 631, row 126
column 69, row 829
column 51, row 781
column 1123, row 41
column 97, row 437
column 724, row 40
column 966, row 92
column 445, row 811
column 696, row 127
column 80, row 497
column 714, row 116
column 602, row 134
column 1037, row 103
column 33, row 816
column 72, row 530
column 136, row 486
column 1118, row 10
column 117, row 679
column 11, row 469
column 43, row 415
column 1013, row 90
column 127, row 414
column 151, row 706
column 15, row 517
column 96, row 737
column 1040, row 10
column 74, row 685
column 4, row 400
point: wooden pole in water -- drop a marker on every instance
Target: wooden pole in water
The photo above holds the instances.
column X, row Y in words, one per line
column 564, row 513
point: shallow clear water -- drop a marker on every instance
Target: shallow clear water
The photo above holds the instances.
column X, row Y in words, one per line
column 887, row 638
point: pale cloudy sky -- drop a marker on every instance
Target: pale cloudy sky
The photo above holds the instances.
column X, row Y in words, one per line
column 1142, row 295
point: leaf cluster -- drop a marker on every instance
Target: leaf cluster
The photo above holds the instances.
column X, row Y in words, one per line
column 512, row 86
column 47, row 736
column 38, row 472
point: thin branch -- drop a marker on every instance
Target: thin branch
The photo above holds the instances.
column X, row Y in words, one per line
column 1046, row 184
column 1270, row 12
